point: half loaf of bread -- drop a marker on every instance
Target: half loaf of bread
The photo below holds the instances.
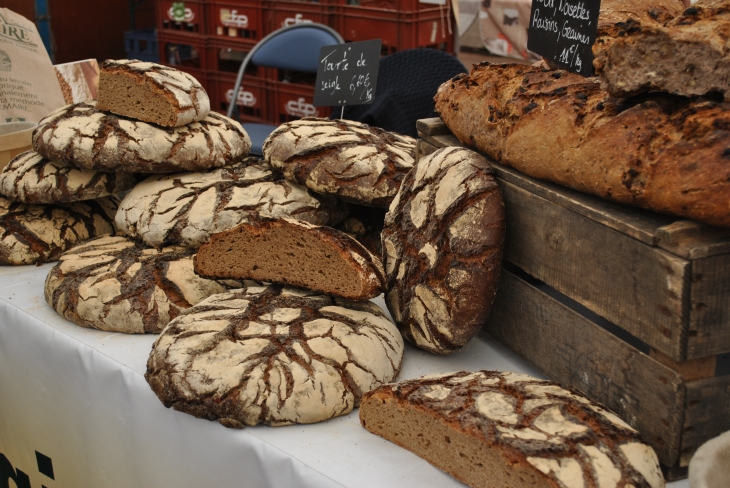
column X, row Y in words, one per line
column 295, row 253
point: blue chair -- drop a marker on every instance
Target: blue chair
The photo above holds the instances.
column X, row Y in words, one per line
column 295, row 48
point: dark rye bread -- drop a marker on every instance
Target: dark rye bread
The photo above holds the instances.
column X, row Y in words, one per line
column 296, row 253
column 442, row 247
column 507, row 430
column 273, row 355
column 31, row 178
column 662, row 153
column 120, row 285
column 186, row 208
column 33, row 234
column 85, row 137
column 353, row 161
column 151, row 93
column 688, row 55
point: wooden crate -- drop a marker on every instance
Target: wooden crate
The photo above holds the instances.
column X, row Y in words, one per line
column 628, row 306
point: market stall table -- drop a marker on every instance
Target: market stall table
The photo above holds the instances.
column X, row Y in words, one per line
column 75, row 410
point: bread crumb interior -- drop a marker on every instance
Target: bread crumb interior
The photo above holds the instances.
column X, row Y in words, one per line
column 123, row 94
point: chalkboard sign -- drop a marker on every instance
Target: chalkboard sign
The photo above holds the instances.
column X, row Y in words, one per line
column 347, row 74
column 563, row 31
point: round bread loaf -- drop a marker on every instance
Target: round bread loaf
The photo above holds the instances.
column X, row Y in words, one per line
column 495, row 430
column 273, row 355
column 120, row 285
column 186, row 208
column 151, row 92
column 442, row 249
column 355, row 162
column 33, row 234
column 31, row 178
column 85, row 137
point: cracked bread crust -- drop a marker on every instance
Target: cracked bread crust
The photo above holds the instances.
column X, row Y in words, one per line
column 273, row 355
column 494, row 429
column 296, row 253
column 659, row 152
column 151, row 92
column 120, row 285
column 34, row 234
column 85, row 137
column 351, row 160
column 442, row 246
column 186, row 208
column 30, row 178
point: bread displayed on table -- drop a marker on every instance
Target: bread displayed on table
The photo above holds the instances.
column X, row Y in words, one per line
column 151, row 93
column 273, row 355
column 186, row 208
column 120, row 285
column 685, row 54
column 33, row 234
column 353, row 161
column 31, row 178
column 292, row 252
column 659, row 152
column 442, row 246
column 83, row 136
column 494, row 429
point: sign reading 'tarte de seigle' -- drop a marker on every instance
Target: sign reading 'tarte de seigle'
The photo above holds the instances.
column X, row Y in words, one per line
column 563, row 31
column 347, row 74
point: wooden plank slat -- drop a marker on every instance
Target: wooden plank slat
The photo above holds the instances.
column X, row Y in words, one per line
column 709, row 315
column 424, row 148
column 693, row 240
column 637, row 287
column 691, row 370
column 707, row 414
column 432, row 127
column 577, row 353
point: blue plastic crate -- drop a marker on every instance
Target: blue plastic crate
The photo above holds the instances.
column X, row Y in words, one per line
column 142, row 45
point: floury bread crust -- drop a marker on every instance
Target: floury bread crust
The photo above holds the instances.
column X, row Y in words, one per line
column 495, row 430
column 120, row 285
column 30, row 178
column 662, row 153
column 186, row 208
column 33, row 234
column 296, row 253
column 85, row 137
column 151, row 93
column 273, row 355
column 353, row 161
column 687, row 55
column 442, row 247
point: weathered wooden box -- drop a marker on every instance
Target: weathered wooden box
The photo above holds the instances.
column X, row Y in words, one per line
column 630, row 307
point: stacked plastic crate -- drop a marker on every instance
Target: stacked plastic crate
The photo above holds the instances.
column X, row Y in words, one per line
column 210, row 38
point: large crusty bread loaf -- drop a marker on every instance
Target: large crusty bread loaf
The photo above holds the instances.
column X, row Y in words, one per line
column 292, row 252
column 151, row 92
column 663, row 153
column 508, row 430
column 688, row 55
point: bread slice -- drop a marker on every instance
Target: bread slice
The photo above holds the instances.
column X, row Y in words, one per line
column 295, row 253
column 151, row 93
column 493, row 429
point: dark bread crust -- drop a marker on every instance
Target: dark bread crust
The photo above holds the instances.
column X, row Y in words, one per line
column 442, row 247
column 290, row 252
column 495, row 429
column 685, row 55
column 659, row 152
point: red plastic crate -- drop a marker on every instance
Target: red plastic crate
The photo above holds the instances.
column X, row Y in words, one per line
column 292, row 101
column 281, row 13
column 184, row 53
column 186, row 18
column 226, row 57
column 235, row 20
column 398, row 30
column 400, row 5
column 252, row 98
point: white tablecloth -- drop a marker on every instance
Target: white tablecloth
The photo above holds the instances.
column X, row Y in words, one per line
column 79, row 397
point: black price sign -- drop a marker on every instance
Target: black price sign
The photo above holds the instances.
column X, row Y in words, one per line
column 347, row 74
column 563, row 31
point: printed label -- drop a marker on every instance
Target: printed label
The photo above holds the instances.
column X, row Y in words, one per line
column 245, row 98
column 297, row 19
column 180, row 13
column 300, row 108
column 231, row 18
column 15, row 32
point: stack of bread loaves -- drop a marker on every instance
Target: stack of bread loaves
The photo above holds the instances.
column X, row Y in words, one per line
column 656, row 150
